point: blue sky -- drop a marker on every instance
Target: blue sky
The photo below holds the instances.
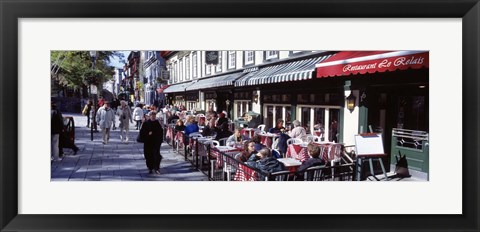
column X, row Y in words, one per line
column 115, row 62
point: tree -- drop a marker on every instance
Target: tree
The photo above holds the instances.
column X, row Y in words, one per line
column 73, row 69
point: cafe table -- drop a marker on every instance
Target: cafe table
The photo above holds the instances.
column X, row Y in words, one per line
column 267, row 139
column 249, row 132
column 297, row 151
column 216, row 153
column 291, row 164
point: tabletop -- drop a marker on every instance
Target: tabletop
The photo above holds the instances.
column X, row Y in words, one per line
column 290, row 162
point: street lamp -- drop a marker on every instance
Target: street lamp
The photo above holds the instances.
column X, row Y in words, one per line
column 93, row 92
column 351, row 102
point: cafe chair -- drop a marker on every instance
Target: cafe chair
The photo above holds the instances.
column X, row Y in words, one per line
column 261, row 127
column 193, row 136
column 317, row 173
column 280, row 176
column 293, row 141
column 223, row 141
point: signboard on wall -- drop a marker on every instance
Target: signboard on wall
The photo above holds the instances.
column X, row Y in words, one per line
column 211, row 57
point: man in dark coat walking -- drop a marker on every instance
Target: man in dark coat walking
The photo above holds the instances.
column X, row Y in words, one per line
column 152, row 134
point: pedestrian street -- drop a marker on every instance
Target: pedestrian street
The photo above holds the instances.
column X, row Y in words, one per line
column 117, row 161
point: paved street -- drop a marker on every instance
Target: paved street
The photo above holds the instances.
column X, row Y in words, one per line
column 117, row 161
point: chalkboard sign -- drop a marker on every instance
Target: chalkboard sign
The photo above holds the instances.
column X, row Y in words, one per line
column 211, row 57
column 367, row 145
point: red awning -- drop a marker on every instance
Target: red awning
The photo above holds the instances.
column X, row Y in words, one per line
column 361, row 62
column 160, row 89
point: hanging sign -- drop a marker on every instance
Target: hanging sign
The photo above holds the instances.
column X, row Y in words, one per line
column 211, row 57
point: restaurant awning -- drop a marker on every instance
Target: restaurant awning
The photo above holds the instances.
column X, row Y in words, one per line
column 218, row 81
column 177, row 88
column 290, row 71
column 361, row 62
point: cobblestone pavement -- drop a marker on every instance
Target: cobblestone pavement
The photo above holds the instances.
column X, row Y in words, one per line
column 117, row 161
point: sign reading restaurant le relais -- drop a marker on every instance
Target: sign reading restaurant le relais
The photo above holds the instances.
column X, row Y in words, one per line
column 364, row 65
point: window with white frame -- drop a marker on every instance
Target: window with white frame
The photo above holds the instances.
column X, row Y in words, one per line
column 187, row 68
column 249, row 57
column 274, row 112
column 180, row 70
column 194, row 65
column 320, row 121
column 218, row 67
column 241, row 107
column 231, row 59
column 271, row 55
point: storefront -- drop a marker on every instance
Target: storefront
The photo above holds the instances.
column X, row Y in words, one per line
column 389, row 92
column 176, row 94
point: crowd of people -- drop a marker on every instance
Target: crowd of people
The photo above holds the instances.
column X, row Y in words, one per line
column 149, row 122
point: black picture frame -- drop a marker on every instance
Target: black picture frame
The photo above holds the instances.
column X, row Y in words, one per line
column 11, row 11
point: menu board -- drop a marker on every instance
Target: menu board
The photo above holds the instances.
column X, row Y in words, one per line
column 370, row 144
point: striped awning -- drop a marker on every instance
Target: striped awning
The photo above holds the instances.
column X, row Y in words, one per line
column 177, row 88
column 218, row 81
column 290, row 71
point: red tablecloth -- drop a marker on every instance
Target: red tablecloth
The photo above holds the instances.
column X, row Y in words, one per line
column 244, row 173
column 179, row 138
column 298, row 152
column 248, row 132
column 266, row 140
column 330, row 151
column 169, row 134
column 216, row 154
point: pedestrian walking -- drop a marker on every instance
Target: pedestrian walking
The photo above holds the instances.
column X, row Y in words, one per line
column 105, row 119
column 152, row 134
column 56, row 129
column 86, row 111
column 138, row 115
column 125, row 117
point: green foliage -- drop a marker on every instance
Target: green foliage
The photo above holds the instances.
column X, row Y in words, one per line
column 74, row 69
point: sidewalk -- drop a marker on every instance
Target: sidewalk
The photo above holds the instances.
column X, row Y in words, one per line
column 117, row 161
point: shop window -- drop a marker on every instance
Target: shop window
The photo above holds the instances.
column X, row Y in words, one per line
column 275, row 112
column 242, row 107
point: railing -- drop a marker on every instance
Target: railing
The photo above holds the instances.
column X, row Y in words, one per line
column 409, row 138
column 230, row 169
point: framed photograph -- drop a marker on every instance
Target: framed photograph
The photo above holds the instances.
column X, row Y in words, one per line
column 448, row 30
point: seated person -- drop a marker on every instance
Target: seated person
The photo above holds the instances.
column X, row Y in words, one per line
column 298, row 131
column 248, row 150
column 172, row 117
column 192, row 127
column 224, row 132
column 210, row 129
column 265, row 162
column 180, row 126
column 315, row 160
column 221, row 119
column 237, row 137
column 258, row 143
column 278, row 128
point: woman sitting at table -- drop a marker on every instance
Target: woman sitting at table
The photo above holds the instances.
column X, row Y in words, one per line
column 278, row 128
column 180, row 126
column 298, row 131
column 248, row 150
column 237, row 137
column 315, row 160
column 265, row 162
